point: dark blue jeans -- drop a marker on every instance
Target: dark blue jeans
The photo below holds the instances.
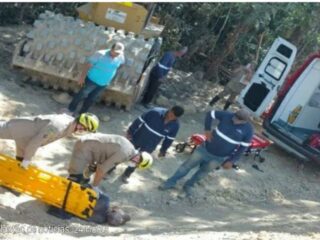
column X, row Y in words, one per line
column 152, row 87
column 89, row 93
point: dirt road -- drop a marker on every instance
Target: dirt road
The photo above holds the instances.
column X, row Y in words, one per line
column 278, row 203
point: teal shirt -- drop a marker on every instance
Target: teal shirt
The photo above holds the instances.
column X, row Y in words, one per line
column 104, row 68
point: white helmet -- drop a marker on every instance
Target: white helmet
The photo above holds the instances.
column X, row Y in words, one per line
column 146, row 160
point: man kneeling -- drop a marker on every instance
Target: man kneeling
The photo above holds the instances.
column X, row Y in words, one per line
column 99, row 153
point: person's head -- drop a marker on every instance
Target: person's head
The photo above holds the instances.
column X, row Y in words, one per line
column 117, row 49
column 87, row 122
column 117, row 217
column 181, row 52
column 241, row 116
column 174, row 113
column 142, row 160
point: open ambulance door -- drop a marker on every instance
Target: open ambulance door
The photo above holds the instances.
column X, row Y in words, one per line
column 265, row 83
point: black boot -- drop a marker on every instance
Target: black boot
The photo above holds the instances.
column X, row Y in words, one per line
column 124, row 179
column 127, row 173
column 78, row 178
column 227, row 105
column 20, row 159
column 214, row 100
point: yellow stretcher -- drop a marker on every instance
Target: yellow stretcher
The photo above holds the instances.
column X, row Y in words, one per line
column 47, row 187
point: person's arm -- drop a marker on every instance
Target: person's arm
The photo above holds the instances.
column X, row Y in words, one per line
column 122, row 63
column 35, row 143
column 106, row 165
column 120, row 67
column 166, row 63
column 211, row 115
column 98, row 176
column 92, row 60
column 245, row 143
column 137, row 124
column 84, row 73
column 166, row 143
column 165, row 60
column 249, row 73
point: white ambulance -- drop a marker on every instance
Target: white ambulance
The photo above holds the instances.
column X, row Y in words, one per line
column 290, row 105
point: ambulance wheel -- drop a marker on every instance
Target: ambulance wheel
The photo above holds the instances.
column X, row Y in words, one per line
column 180, row 147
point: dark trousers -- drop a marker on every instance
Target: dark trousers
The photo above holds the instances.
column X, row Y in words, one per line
column 89, row 93
column 151, row 89
column 129, row 171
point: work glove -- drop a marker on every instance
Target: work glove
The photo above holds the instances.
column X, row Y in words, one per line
column 25, row 164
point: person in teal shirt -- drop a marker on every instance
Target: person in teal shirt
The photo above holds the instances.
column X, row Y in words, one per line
column 96, row 75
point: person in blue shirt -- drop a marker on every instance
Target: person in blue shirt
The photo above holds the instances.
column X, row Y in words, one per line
column 158, row 73
column 147, row 131
column 96, row 75
column 224, row 146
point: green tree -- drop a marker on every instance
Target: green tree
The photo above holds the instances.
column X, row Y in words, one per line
column 219, row 35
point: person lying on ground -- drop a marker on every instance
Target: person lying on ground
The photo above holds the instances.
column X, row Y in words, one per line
column 103, row 213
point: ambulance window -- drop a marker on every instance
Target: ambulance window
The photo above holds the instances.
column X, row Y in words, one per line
column 284, row 50
column 275, row 68
column 315, row 100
